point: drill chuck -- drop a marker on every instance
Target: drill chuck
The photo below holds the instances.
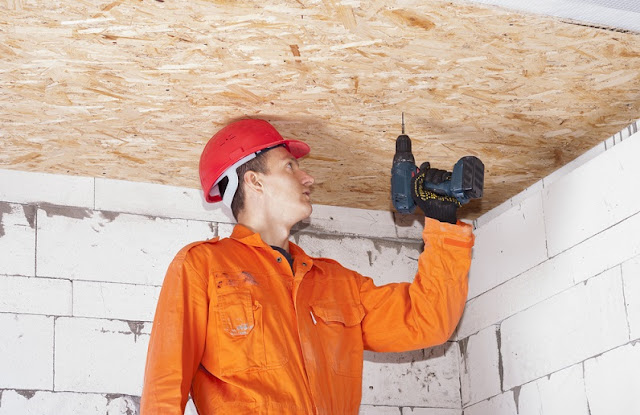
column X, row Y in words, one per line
column 403, row 145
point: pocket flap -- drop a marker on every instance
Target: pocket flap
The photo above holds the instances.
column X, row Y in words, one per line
column 347, row 314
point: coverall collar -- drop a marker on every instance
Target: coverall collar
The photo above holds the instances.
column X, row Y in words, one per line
column 248, row 237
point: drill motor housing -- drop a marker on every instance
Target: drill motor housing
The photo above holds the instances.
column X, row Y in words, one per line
column 402, row 171
column 466, row 182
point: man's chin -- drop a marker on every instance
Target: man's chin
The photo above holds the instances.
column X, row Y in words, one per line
column 310, row 211
column 306, row 215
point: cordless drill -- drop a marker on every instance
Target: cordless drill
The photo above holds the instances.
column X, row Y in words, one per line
column 466, row 182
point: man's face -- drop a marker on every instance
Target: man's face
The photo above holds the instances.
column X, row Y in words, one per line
column 287, row 188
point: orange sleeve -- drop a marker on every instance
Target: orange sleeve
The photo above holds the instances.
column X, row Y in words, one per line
column 424, row 313
column 177, row 339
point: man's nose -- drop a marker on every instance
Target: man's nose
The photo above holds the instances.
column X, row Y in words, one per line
column 307, row 179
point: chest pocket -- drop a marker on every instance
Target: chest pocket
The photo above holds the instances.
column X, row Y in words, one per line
column 340, row 333
column 240, row 344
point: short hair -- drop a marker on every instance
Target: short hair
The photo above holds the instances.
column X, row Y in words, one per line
column 258, row 165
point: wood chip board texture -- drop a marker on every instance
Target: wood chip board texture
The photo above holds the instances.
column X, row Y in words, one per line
column 133, row 89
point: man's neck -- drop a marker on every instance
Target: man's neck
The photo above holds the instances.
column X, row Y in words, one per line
column 270, row 233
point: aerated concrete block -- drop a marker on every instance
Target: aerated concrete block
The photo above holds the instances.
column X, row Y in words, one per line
column 378, row 410
column 480, row 366
column 631, row 281
column 574, row 325
column 339, row 220
column 410, row 226
column 31, row 402
column 561, row 393
column 114, row 301
column 100, row 356
column 519, row 293
column 31, row 187
column 602, row 251
column 32, row 295
column 111, row 247
column 611, row 176
column 383, row 260
column 503, row 404
column 428, row 377
column 124, row 405
column 17, row 239
column 430, row 411
column 156, row 200
column 612, row 381
column 26, row 352
column 225, row 229
column 500, row 253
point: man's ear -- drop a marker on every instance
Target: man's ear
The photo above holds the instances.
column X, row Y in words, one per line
column 252, row 181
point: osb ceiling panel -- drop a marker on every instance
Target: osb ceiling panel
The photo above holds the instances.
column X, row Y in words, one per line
column 133, row 89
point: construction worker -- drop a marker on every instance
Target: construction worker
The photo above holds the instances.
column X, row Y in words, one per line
column 250, row 324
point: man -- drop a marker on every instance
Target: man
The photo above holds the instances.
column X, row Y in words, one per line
column 252, row 325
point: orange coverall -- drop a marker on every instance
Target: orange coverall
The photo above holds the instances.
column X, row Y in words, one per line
column 236, row 328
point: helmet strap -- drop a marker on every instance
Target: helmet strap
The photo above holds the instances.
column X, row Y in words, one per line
column 232, row 185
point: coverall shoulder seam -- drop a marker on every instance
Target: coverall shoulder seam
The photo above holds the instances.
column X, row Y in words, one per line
column 187, row 259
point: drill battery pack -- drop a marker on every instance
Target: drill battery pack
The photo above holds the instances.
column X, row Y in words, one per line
column 467, row 179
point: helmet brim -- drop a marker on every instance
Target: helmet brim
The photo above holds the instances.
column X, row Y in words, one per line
column 297, row 148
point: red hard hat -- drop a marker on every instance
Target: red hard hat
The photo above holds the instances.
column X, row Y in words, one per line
column 235, row 142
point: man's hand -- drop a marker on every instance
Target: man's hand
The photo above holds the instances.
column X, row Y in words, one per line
column 440, row 207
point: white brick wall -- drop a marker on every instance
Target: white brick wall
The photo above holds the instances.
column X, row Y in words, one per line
column 565, row 329
column 408, row 410
column 23, row 402
column 111, row 247
column 25, row 187
column 114, row 301
column 26, row 352
column 17, row 239
column 517, row 294
column 568, row 320
column 560, row 393
column 430, row 411
column 156, row 200
column 612, row 381
column 45, row 295
column 105, row 356
column 603, row 190
column 379, row 410
column 480, row 366
column 33, row 403
column 504, row 404
column 384, row 261
column 631, row 281
column 427, row 377
column 500, row 253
